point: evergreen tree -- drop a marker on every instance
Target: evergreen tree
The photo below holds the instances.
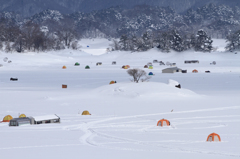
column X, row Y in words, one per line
column 164, row 43
column 176, row 41
column 124, row 42
column 233, row 41
column 203, row 42
column 147, row 41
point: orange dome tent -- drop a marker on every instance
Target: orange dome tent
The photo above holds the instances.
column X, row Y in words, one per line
column 7, row 118
column 213, row 137
column 112, row 82
column 64, row 67
column 195, row 71
column 163, row 122
column 22, row 116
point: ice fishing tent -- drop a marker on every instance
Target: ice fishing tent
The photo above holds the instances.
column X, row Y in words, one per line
column 98, row 63
column 20, row 121
column 149, row 63
column 112, row 82
column 22, row 116
column 171, row 70
column 163, row 122
column 13, row 79
column 45, row 119
column 77, row 64
column 114, row 63
column 86, row 112
column 124, row 67
column 150, row 73
column 146, row 66
column 184, row 71
column 155, row 61
column 161, row 63
column 195, row 71
column 64, row 67
column 7, row 118
column 213, row 137
column 150, row 67
column 191, row 61
column 87, row 67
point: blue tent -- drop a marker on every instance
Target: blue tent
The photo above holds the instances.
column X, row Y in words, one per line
column 150, row 74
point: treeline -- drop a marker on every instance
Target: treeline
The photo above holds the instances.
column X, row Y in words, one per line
column 30, row 36
column 165, row 41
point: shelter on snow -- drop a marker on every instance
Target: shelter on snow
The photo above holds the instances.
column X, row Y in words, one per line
column 155, row 61
column 146, row 66
column 213, row 63
column 184, row 71
column 150, row 67
column 20, row 121
column 114, row 63
column 128, row 66
column 98, row 63
column 112, row 82
column 45, row 119
column 124, row 67
column 150, row 74
column 7, row 118
column 149, row 63
column 13, row 79
column 22, row 116
column 191, row 61
column 87, row 67
column 64, row 67
column 77, row 64
column 195, row 71
column 171, row 70
column 161, row 63
column 86, row 112
column 64, row 86
column 163, row 122
column 213, row 137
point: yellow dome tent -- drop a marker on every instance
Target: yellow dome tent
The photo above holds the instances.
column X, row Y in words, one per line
column 7, row 118
column 86, row 112
column 150, row 67
column 22, row 116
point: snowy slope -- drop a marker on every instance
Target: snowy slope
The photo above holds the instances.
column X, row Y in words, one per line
column 125, row 114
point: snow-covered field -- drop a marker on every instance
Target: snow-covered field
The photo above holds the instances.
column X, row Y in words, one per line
column 124, row 115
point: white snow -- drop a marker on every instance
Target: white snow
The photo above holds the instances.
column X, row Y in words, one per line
column 124, row 116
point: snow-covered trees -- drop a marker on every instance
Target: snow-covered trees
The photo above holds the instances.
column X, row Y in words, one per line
column 124, row 42
column 203, row 42
column 177, row 43
column 233, row 41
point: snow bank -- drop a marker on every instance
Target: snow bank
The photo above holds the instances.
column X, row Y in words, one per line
column 155, row 90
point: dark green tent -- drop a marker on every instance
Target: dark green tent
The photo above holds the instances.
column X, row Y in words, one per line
column 87, row 67
column 77, row 64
